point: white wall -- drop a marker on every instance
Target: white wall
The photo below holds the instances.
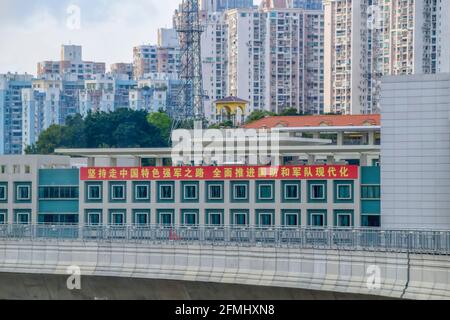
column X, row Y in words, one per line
column 415, row 153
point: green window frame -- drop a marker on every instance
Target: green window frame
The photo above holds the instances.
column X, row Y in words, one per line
column 285, row 194
column 214, row 217
column 370, row 220
column 22, row 216
column 115, row 187
column 166, row 191
column 240, row 217
column 141, row 217
column 313, row 191
column 3, row 217
column 344, row 191
column 163, row 214
column 370, row 192
column 315, row 221
column 265, row 218
column 23, row 192
column 93, row 217
column 117, row 217
column 237, row 190
column 3, row 192
column 190, row 217
column 265, row 191
column 141, row 192
column 287, row 218
column 58, row 193
column 209, row 196
column 344, row 218
column 90, row 195
column 190, row 191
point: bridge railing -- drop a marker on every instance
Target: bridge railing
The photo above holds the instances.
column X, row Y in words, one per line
column 418, row 241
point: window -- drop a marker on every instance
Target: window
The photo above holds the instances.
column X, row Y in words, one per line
column 344, row 192
column 141, row 217
column 22, row 217
column 189, row 217
column 3, row 193
column 291, row 218
column 117, row 192
column 165, row 217
column 93, row 218
column 190, row 191
column 3, row 169
column 291, row 192
column 317, row 218
column 239, row 218
column 142, row 192
column 215, row 192
column 371, row 192
column 265, row 218
column 265, row 191
column 343, row 219
column 53, row 193
column 94, row 192
column 27, row 169
column 23, row 193
column 214, row 217
column 317, row 191
column 240, row 191
column 166, row 192
column 371, row 221
column 117, row 218
column 2, row 217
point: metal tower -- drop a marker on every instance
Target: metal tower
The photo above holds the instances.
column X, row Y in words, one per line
column 189, row 29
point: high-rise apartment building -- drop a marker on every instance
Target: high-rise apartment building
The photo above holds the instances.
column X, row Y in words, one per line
column 71, row 63
column 275, row 58
column 223, row 5
column 11, row 86
column 375, row 38
column 122, row 68
column 149, row 59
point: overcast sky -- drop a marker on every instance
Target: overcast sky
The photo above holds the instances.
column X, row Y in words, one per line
column 33, row 30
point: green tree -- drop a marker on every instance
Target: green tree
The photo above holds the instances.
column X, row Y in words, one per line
column 162, row 121
column 258, row 115
column 290, row 112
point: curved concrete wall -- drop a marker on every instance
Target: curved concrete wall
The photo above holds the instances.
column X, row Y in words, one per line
column 401, row 275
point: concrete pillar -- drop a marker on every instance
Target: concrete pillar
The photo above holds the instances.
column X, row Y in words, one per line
column 363, row 160
column 91, row 162
column 340, row 138
column 113, row 162
column 159, row 162
column 311, row 159
column 330, row 160
column 371, row 138
column 137, row 161
column 316, row 135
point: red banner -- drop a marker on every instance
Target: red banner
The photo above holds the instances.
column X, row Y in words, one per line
column 323, row 172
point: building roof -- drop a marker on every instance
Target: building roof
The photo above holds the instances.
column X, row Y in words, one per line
column 316, row 121
column 231, row 99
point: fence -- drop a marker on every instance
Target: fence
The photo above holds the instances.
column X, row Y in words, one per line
column 428, row 242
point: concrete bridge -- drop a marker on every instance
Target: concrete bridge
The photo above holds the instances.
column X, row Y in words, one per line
column 366, row 264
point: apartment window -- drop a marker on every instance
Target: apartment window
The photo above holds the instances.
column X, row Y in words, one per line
column 141, row 192
column 166, row 217
column 291, row 191
column 371, row 221
column 3, row 169
column 372, row 192
column 317, row 191
column 117, row 218
column 214, row 217
column 291, row 218
column 23, row 192
column 27, row 169
column 94, row 192
column 3, row 192
column 239, row 192
column 141, row 217
column 22, row 217
column 93, row 218
column 264, row 218
column 3, row 218
column 16, row 169
column 343, row 191
column 189, row 217
column 118, row 192
column 343, row 219
column 265, row 191
column 166, row 192
column 57, row 193
column 215, row 192
column 240, row 218
column 190, row 191
column 317, row 218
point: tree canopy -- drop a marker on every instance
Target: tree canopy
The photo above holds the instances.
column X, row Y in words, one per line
column 123, row 128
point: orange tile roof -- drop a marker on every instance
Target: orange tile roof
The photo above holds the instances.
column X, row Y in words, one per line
column 316, row 121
